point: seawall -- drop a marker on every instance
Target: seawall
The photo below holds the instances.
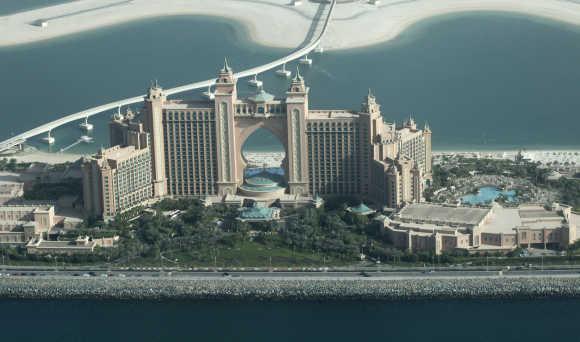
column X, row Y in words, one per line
column 287, row 289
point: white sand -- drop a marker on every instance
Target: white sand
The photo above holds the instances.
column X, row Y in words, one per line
column 570, row 156
column 43, row 157
column 271, row 22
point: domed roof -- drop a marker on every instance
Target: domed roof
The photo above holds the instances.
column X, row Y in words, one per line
column 361, row 209
column 262, row 182
column 261, row 96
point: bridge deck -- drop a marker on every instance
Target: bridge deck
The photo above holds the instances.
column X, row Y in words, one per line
column 9, row 143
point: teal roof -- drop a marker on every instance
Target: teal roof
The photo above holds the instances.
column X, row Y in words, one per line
column 261, row 96
column 361, row 209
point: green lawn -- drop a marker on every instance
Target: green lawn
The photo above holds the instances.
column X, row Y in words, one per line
column 252, row 254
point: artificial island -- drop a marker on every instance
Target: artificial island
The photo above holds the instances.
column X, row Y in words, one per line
column 352, row 190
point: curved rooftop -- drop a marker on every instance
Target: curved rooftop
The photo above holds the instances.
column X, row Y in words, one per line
column 361, row 209
column 263, row 184
column 261, row 96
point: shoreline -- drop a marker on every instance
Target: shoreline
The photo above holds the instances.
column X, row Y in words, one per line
column 507, row 150
column 37, row 156
column 393, row 17
column 300, row 289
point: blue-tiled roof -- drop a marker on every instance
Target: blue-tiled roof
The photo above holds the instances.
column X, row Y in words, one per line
column 361, row 209
column 263, row 181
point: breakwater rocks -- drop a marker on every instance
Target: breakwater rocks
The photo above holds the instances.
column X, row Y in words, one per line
column 287, row 288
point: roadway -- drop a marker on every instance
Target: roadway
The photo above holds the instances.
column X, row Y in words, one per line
column 300, row 52
column 264, row 273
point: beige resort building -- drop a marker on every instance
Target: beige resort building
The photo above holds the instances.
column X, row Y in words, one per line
column 443, row 228
column 118, row 178
column 195, row 149
column 20, row 223
column 197, row 145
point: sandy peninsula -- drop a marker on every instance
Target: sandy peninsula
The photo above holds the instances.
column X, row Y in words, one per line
column 269, row 22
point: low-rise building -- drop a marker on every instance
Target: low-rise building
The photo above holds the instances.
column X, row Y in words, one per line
column 82, row 245
column 10, row 191
column 440, row 228
column 435, row 228
column 529, row 225
column 20, row 223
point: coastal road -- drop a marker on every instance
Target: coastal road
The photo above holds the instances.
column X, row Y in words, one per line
column 193, row 275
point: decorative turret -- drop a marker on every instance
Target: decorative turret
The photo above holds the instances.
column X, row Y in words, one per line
column 153, row 124
column 226, row 67
column 225, row 96
column 226, row 74
column 370, row 104
column 155, row 91
column 298, row 85
column 297, row 112
column 427, row 129
column 225, row 84
column 410, row 123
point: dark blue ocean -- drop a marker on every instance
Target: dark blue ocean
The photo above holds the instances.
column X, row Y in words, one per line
column 485, row 321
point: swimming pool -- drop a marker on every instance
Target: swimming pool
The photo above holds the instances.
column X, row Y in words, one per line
column 488, row 194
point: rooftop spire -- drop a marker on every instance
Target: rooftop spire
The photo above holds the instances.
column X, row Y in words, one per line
column 226, row 66
column 298, row 77
column 370, row 104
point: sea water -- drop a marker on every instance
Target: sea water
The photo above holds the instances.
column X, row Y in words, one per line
column 451, row 320
column 482, row 81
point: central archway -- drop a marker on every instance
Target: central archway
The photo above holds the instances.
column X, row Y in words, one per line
column 250, row 174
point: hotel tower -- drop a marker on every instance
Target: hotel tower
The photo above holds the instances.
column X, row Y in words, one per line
column 197, row 145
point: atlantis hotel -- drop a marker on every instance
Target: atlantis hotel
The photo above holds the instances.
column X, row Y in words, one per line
column 196, row 150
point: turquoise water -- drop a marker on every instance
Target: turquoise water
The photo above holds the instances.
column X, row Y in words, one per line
column 275, row 171
column 483, row 81
column 15, row 6
column 262, row 140
column 44, row 80
column 479, row 321
column 488, row 194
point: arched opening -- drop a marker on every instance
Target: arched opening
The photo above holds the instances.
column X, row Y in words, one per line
column 264, row 156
